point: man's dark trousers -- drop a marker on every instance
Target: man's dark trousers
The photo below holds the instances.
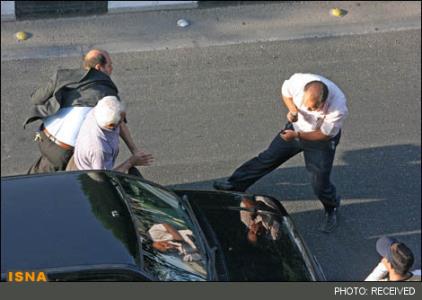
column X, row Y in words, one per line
column 319, row 157
column 53, row 158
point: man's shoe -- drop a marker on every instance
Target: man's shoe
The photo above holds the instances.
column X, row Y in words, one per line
column 224, row 185
column 330, row 221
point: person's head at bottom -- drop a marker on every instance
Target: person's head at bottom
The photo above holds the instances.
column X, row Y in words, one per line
column 397, row 258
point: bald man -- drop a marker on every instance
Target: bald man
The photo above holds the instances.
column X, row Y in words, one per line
column 317, row 109
column 62, row 105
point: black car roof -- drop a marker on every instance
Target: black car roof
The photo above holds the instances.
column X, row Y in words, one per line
column 65, row 219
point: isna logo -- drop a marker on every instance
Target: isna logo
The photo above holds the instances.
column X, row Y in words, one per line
column 26, row 276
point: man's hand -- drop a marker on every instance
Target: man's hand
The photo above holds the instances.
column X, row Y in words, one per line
column 292, row 116
column 140, row 158
column 288, row 135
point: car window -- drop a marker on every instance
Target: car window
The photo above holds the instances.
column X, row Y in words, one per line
column 170, row 248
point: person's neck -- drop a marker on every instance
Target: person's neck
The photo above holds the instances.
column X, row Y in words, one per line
column 393, row 276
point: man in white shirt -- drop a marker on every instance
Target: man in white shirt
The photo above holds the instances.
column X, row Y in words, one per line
column 317, row 109
column 63, row 103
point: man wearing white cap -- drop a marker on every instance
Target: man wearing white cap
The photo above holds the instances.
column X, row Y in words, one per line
column 97, row 144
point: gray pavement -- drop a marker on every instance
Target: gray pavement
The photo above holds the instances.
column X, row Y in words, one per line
column 204, row 110
column 157, row 30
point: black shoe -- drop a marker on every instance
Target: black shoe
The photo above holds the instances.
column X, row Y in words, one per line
column 330, row 221
column 224, row 185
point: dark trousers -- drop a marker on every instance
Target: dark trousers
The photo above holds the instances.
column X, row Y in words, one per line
column 53, row 158
column 319, row 157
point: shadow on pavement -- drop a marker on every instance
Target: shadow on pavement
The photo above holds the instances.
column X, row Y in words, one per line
column 381, row 192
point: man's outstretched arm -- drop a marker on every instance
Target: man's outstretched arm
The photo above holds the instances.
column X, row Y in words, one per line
column 137, row 159
column 127, row 138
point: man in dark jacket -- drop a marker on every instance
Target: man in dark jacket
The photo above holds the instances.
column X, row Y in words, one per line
column 62, row 105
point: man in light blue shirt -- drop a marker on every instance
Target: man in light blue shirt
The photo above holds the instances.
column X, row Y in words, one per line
column 97, row 144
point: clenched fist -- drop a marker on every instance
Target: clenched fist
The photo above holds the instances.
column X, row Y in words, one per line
column 292, row 116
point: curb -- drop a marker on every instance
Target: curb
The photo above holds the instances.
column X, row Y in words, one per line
column 22, row 10
column 8, row 11
column 117, row 7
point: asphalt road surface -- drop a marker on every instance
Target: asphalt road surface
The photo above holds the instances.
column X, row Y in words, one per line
column 202, row 111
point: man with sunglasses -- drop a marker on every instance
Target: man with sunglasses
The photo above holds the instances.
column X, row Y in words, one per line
column 317, row 109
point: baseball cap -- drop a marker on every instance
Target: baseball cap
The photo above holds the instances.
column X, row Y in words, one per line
column 398, row 254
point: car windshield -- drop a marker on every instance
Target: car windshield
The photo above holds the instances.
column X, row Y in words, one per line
column 171, row 250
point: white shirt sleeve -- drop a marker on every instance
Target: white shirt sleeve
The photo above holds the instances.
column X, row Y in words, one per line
column 286, row 89
column 378, row 273
column 333, row 122
column 159, row 233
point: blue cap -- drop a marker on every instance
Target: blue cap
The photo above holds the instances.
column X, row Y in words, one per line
column 384, row 247
column 397, row 254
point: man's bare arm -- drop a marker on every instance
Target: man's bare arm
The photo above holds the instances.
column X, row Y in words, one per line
column 127, row 138
column 288, row 102
column 293, row 111
column 316, row 135
column 174, row 233
column 125, row 166
column 137, row 159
